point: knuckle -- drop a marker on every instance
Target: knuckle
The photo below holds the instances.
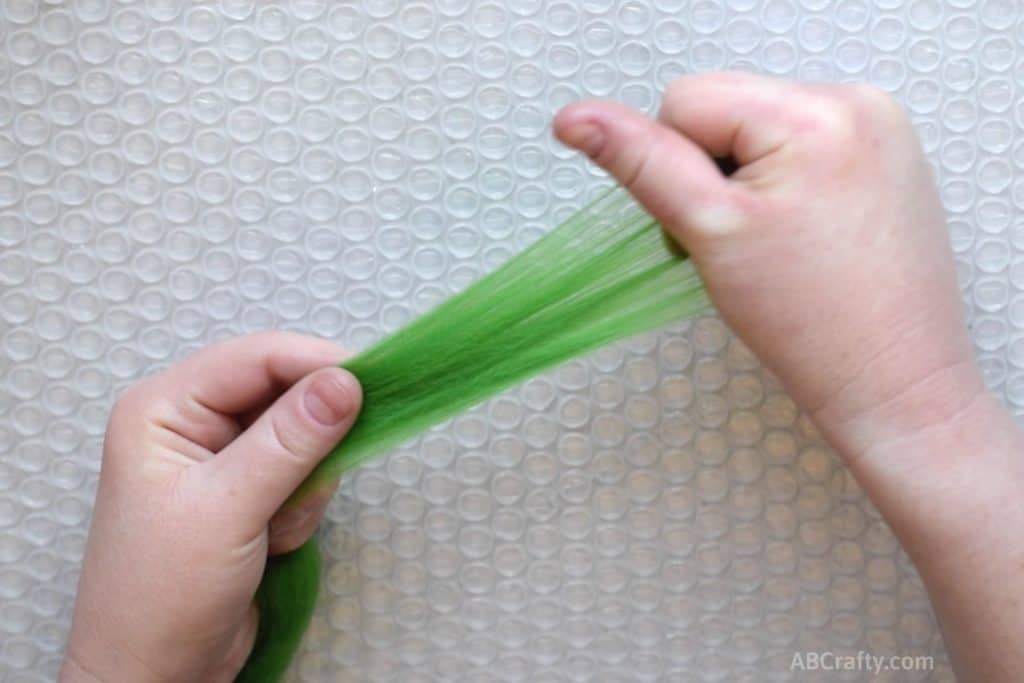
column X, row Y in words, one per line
column 875, row 100
column 290, row 438
column 885, row 111
column 126, row 425
column 636, row 162
column 123, row 401
column 865, row 107
column 127, row 405
column 834, row 121
column 681, row 87
column 674, row 91
column 847, row 118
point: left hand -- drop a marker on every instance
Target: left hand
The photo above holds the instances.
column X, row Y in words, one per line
column 197, row 463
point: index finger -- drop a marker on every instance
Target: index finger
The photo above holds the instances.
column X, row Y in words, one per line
column 233, row 376
column 731, row 114
column 200, row 397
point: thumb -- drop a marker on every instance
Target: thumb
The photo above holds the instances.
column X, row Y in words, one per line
column 672, row 177
column 255, row 473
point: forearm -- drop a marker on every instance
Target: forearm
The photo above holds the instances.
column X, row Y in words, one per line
column 950, row 485
column 837, row 272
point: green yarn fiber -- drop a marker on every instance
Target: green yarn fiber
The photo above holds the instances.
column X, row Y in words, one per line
column 604, row 274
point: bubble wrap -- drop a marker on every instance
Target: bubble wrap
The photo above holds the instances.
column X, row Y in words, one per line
column 173, row 174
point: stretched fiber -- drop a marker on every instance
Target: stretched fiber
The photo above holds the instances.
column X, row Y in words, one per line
column 604, row 274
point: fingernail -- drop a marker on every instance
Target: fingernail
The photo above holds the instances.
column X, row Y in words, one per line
column 588, row 137
column 329, row 397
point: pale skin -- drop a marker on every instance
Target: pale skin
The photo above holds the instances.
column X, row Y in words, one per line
column 826, row 252
column 197, row 463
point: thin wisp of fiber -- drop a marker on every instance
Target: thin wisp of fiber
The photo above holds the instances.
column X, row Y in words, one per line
column 606, row 273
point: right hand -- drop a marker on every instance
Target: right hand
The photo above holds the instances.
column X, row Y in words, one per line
column 825, row 251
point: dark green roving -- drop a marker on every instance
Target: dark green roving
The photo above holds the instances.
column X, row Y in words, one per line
column 285, row 598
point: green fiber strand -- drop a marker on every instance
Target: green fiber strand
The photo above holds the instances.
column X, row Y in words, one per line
column 604, row 274
column 285, row 599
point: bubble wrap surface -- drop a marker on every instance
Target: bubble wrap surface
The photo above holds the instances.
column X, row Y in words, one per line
column 174, row 173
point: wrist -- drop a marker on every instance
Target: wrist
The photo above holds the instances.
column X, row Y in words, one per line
column 934, row 458
column 950, row 491
column 903, row 401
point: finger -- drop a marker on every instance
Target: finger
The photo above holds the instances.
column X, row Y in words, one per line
column 199, row 397
column 254, row 474
column 235, row 375
column 731, row 114
column 292, row 525
column 675, row 180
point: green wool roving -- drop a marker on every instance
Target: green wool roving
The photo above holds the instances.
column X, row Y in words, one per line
column 606, row 273
column 285, row 599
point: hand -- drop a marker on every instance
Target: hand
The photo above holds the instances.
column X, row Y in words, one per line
column 826, row 252
column 196, row 464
